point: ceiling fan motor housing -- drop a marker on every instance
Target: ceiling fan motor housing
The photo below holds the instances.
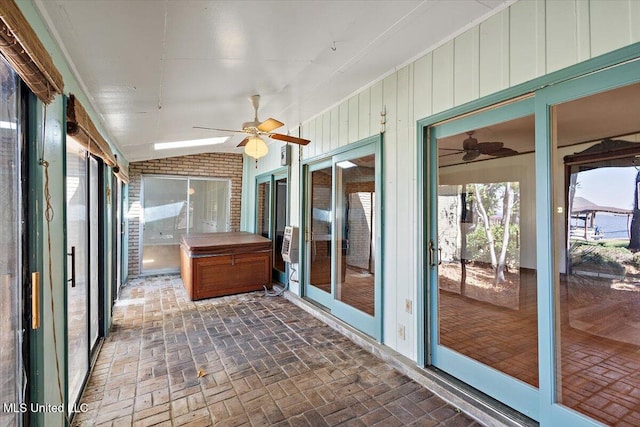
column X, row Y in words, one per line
column 470, row 143
column 250, row 126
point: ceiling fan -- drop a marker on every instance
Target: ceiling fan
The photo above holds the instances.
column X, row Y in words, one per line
column 472, row 149
column 253, row 144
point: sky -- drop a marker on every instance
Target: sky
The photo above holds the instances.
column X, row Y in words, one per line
column 611, row 187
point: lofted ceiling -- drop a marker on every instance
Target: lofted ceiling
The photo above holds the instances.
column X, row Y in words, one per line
column 153, row 69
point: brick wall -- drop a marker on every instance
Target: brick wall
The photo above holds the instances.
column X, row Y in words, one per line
column 209, row 165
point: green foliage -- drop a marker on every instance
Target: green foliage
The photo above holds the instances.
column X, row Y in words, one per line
column 493, row 199
column 611, row 257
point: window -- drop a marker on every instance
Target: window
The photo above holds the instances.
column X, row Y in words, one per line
column 175, row 206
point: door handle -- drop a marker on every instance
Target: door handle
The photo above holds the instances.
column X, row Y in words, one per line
column 432, row 255
column 72, row 254
column 433, row 260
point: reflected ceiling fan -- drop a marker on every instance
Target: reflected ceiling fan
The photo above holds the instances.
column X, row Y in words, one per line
column 472, row 149
column 253, row 144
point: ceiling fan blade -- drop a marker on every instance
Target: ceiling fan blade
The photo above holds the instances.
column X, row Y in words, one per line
column 289, row 138
column 504, row 152
column 219, row 130
column 269, row 125
column 489, row 147
column 243, row 142
column 470, row 155
column 451, row 149
column 450, row 154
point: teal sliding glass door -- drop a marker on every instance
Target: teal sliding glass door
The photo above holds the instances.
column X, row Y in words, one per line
column 272, row 215
column 483, row 253
column 78, row 286
column 342, row 228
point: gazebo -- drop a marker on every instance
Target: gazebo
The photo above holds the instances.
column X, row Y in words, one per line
column 586, row 210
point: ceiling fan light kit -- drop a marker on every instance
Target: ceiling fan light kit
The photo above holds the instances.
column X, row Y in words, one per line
column 255, row 147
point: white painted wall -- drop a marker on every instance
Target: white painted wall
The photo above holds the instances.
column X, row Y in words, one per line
column 525, row 41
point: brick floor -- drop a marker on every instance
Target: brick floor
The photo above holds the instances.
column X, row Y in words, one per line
column 242, row 360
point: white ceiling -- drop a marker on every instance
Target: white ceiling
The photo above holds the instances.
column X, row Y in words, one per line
column 153, row 69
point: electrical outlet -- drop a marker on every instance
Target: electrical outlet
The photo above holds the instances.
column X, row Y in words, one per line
column 407, row 306
column 401, row 332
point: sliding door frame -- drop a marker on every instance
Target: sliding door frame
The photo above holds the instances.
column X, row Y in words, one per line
column 271, row 207
column 371, row 325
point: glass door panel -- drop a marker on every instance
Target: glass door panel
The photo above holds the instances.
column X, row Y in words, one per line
column 209, row 205
column 321, row 230
column 263, row 210
column 486, row 295
column 342, row 231
column 77, row 272
column 271, row 217
column 280, row 219
column 94, row 243
column 166, row 218
column 596, row 145
column 10, row 252
column 355, row 223
column 175, row 206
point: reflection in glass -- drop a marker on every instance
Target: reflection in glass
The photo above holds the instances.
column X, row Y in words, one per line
column 321, row 232
column 280, row 222
column 597, row 241
column 165, row 213
column 175, row 206
column 262, row 209
column 355, row 219
column 209, row 205
column 10, row 247
column 486, row 244
column 94, row 253
column 77, row 296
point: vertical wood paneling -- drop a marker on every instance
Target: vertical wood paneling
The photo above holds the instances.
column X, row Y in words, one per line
column 634, row 19
column 583, row 30
column 317, row 139
column 422, row 95
column 527, row 46
column 466, row 68
column 390, row 225
column 316, row 146
column 610, row 26
column 562, row 34
column 326, row 130
column 376, row 108
column 335, row 127
column 343, row 131
column 494, row 54
column 411, row 163
column 353, row 119
column 323, row 143
column 443, row 77
column 364, row 114
column 403, row 235
column 308, row 150
column 403, row 121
